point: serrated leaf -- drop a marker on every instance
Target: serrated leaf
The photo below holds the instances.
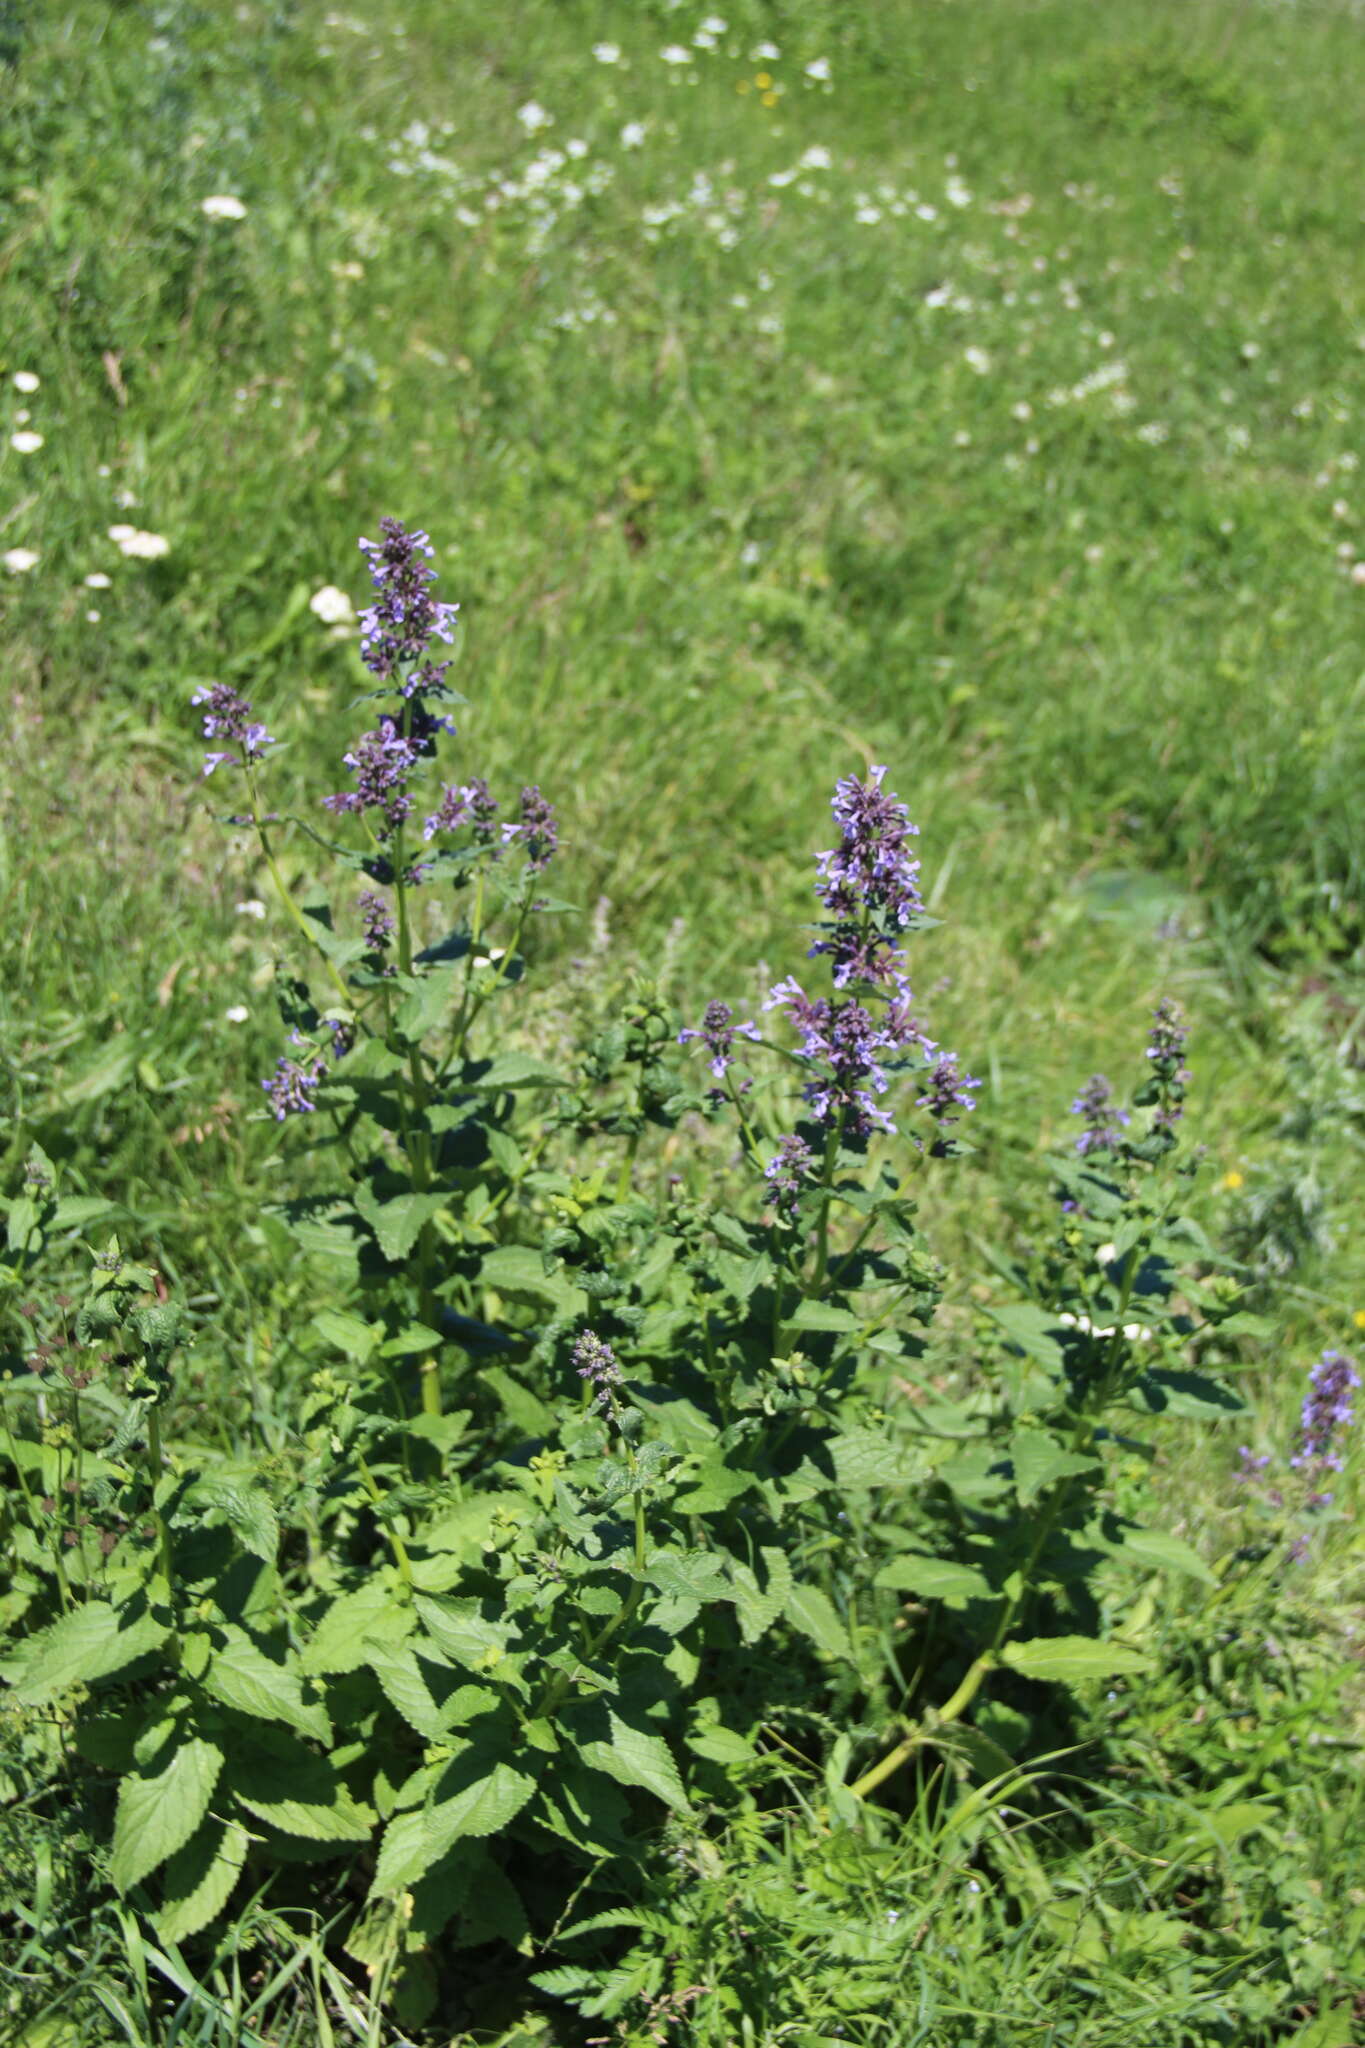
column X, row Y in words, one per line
column 1163, row 1391
column 758, row 1606
column 23, row 1221
column 337, row 1643
column 1166, row 1553
column 1068, row 1660
column 714, row 1485
column 635, row 1757
column 413, row 1842
column 934, row 1578
column 248, row 1510
column 512, row 1070
column 524, row 1410
column 1039, row 1461
column 822, row 1315
column 519, row 1270
column 815, row 1615
column 159, row 1811
column 295, row 1791
column 412, row 1339
column 872, row 1457
column 459, row 1630
column 242, row 1676
column 1033, row 1330
column 353, row 1337
column 431, row 1002
column 200, row 1879
column 397, row 1224
column 89, row 1643
column 400, row 1677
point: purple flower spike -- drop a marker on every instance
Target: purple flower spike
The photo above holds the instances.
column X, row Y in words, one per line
column 718, row 1034
column 292, row 1087
column 869, row 882
column 596, row 1362
column 1103, row 1117
column 381, row 763
column 400, row 625
column 227, row 716
column 472, row 804
column 1166, row 1051
column 1328, row 1412
column 537, row 830
column 950, row 1091
column 787, row 1174
column 377, row 921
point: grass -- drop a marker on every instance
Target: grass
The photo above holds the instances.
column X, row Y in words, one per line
column 1017, row 445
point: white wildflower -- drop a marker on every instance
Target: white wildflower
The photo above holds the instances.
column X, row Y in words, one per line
column 768, row 53
column 26, row 381
column 137, row 545
column 238, row 1014
column 607, row 53
column 1357, row 572
column 816, row 158
column 674, row 53
column 20, row 560
column 632, row 135
column 252, row 907
column 26, row 442
column 533, row 117
column 222, row 206
column 818, row 69
column 97, row 580
column 332, row 606
column 978, row 360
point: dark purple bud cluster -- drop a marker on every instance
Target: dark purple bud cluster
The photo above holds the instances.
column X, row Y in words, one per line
column 718, row 1032
column 227, row 716
column 950, row 1091
column 1102, row 1115
column 292, row 1089
column 1328, row 1412
column 595, row 1361
column 404, row 619
column 1166, row 1051
column 381, row 762
column 537, row 829
column 472, row 804
column 788, row 1173
column 869, row 882
column 377, row 922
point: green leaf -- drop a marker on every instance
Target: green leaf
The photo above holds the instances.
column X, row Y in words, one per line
column 513, row 1070
column 1030, row 1328
column 410, row 1340
column 337, row 1643
column 759, row 1606
column 822, row 1315
column 397, row 1224
column 414, row 1841
column 89, row 1643
column 158, row 1812
column 524, row 1410
column 873, row 1457
column 1039, row 1461
column 815, row 1615
column 714, row 1485
column 433, row 1000
column 1070, row 1659
column 1165, row 1392
column 200, row 1879
column 108, row 1070
column 459, row 1630
column 405, row 1688
column 247, row 1509
column 352, row 1337
column 23, row 1221
column 635, row 1757
column 242, row 1676
column 518, row 1270
column 1166, row 1553
column 934, row 1578
column 283, row 1783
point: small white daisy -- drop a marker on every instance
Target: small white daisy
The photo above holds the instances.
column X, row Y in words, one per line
column 332, row 606
column 26, row 381
column 222, row 206
column 26, row 442
column 20, row 560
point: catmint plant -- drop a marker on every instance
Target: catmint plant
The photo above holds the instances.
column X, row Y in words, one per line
column 612, row 1479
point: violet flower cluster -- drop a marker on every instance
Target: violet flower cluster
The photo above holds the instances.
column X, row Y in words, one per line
column 595, row 1362
column 1103, row 1117
column 227, row 716
column 1327, row 1414
column 718, row 1032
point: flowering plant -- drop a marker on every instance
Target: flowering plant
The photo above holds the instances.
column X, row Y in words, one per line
column 612, row 1496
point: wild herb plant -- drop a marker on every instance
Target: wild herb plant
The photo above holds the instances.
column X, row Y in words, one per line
column 613, row 1497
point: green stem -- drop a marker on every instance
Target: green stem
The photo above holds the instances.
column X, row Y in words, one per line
column 300, row 921
column 163, row 1535
column 396, row 1543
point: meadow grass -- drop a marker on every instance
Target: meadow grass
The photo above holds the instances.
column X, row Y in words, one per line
column 982, row 394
